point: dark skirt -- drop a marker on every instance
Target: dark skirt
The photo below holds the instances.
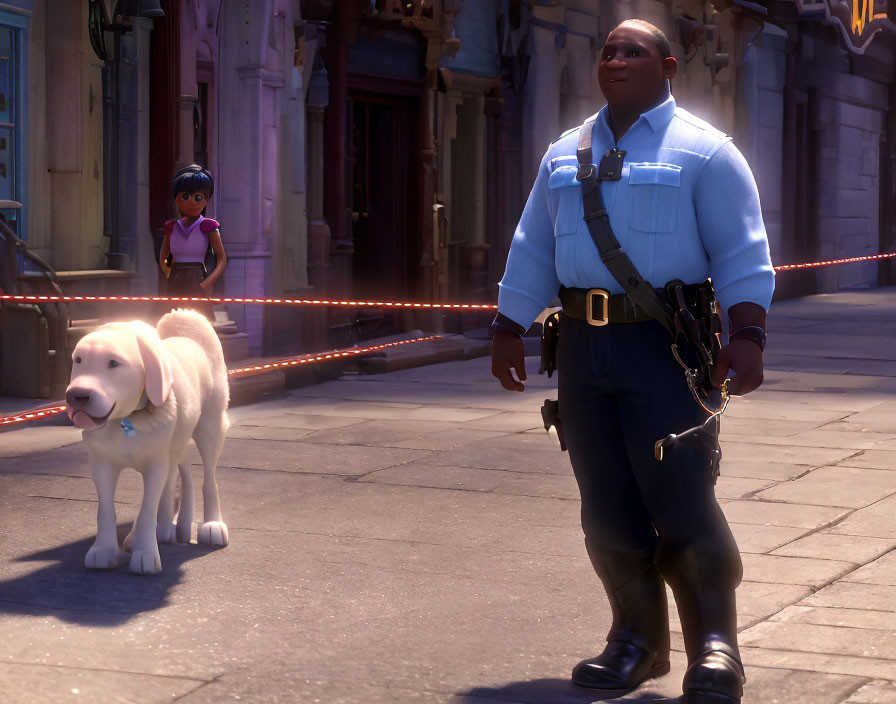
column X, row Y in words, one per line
column 185, row 278
column 184, row 281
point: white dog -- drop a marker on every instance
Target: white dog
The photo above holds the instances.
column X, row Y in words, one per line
column 139, row 394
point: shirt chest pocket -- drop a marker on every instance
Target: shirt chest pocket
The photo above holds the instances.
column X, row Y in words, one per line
column 568, row 192
column 655, row 191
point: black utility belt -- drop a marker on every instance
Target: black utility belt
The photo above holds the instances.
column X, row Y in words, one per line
column 599, row 307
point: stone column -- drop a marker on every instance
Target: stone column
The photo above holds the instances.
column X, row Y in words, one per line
column 581, row 66
column 318, row 230
column 249, row 163
column 541, row 101
column 131, row 224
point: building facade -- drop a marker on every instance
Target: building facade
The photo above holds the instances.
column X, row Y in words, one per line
column 383, row 149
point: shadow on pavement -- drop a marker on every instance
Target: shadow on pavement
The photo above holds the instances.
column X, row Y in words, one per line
column 555, row 691
column 70, row 592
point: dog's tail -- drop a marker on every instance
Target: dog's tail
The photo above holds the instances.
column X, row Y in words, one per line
column 195, row 326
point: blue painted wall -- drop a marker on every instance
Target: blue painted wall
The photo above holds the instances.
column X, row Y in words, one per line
column 475, row 26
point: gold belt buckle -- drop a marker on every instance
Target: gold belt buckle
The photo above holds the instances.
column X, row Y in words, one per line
column 589, row 306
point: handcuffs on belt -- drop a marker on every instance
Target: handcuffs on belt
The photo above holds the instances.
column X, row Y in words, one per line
column 704, row 336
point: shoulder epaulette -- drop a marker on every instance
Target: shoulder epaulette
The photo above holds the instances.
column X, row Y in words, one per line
column 569, row 131
column 695, row 121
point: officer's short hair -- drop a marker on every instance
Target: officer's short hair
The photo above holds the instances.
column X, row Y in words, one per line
column 662, row 43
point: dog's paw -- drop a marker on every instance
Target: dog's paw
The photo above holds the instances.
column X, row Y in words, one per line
column 100, row 558
column 165, row 532
column 146, row 562
column 212, row 533
column 184, row 533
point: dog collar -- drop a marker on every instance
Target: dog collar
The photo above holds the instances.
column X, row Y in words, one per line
column 128, row 427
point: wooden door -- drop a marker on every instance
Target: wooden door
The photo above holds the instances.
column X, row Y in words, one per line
column 384, row 196
column 800, row 196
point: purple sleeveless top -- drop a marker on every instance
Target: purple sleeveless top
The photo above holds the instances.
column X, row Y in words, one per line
column 189, row 244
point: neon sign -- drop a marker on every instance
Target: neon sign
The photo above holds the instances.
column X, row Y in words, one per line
column 863, row 12
column 859, row 20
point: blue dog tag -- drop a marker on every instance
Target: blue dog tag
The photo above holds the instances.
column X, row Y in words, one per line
column 127, row 427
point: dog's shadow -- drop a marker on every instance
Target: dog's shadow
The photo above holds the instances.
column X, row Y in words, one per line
column 71, row 592
column 555, row 691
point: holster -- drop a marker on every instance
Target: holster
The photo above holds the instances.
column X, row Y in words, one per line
column 550, row 410
column 550, row 335
column 550, row 415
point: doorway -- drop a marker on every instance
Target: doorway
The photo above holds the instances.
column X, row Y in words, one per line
column 384, row 197
column 800, row 200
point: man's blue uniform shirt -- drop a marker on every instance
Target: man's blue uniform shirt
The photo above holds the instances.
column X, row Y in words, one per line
column 687, row 208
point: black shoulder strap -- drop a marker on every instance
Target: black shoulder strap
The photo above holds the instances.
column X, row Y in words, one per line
column 611, row 254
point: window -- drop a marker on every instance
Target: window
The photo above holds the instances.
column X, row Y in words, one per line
column 12, row 134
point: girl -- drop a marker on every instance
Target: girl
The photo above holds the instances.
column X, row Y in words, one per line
column 187, row 238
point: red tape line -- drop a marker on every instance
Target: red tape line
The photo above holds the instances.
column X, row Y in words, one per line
column 37, row 413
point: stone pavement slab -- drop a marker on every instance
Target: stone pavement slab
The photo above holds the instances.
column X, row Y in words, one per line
column 881, row 571
column 847, row 618
column 757, row 601
column 780, row 514
column 849, row 595
column 869, row 643
column 835, row 486
column 875, row 520
column 786, row 454
column 851, row 548
column 863, row 667
column 755, row 538
column 781, row 686
column 877, row 692
column 35, row 683
column 874, row 459
column 756, row 468
column 728, row 487
column 799, row 570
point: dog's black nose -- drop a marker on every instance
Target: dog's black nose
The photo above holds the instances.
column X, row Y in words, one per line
column 77, row 398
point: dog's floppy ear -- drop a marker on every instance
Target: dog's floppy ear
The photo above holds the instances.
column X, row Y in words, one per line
column 157, row 369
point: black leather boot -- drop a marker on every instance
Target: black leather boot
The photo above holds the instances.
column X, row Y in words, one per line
column 703, row 582
column 638, row 642
column 715, row 677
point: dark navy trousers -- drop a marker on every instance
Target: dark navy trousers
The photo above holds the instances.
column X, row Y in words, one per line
column 620, row 390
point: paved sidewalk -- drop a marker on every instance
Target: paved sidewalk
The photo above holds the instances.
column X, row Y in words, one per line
column 414, row 537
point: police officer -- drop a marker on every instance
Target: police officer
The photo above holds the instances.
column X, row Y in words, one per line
column 686, row 207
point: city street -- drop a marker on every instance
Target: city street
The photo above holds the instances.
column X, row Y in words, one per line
column 414, row 537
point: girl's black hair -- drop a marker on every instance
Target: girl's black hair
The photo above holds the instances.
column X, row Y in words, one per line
column 192, row 178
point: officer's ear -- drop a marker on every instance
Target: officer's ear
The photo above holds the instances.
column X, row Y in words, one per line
column 670, row 68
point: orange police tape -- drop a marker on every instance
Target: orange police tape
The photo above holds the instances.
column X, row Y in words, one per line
column 42, row 412
column 306, row 359
column 27, row 298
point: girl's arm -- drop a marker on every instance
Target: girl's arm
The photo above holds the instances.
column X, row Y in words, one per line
column 214, row 238
column 163, row 255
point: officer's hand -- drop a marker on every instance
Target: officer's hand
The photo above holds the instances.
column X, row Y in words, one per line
column 507, row 352
column 744, row 358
